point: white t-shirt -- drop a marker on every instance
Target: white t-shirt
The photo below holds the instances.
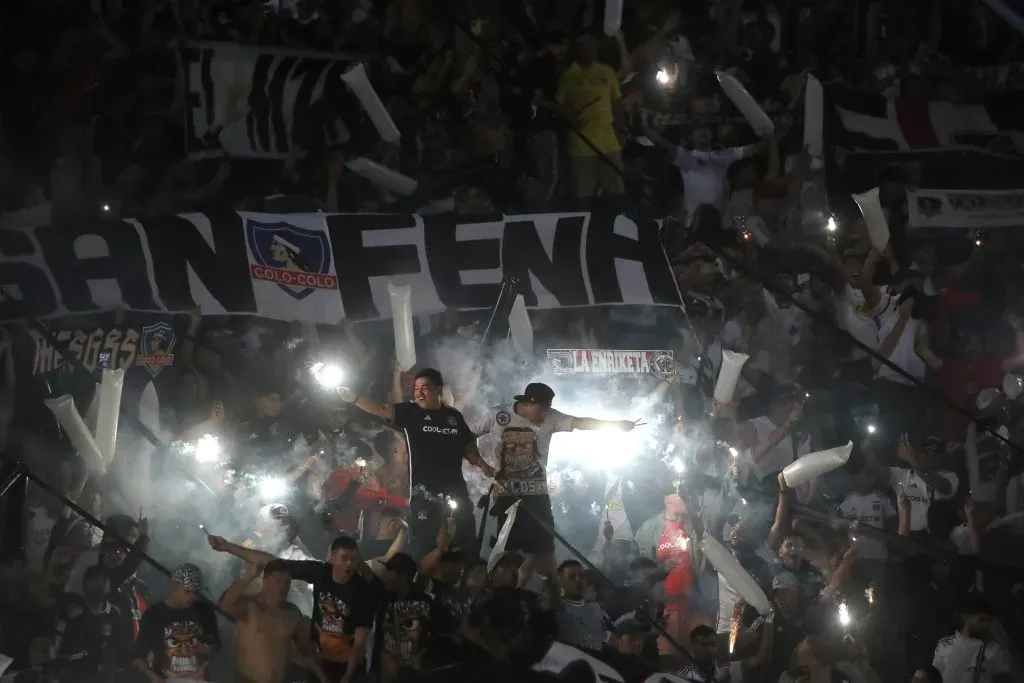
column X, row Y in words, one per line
column 705, row 180
column 919, row 493
column 973, row 655
column 614, row 512
column 774, row 460
column 38, row 528
column 871, row 509
column 522, row 447
column 903, row 354
column 855, row 316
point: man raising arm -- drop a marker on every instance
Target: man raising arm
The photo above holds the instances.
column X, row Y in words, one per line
column 266, row 624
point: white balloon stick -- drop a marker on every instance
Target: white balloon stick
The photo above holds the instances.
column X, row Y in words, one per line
column 729, row 375
column 107, row 415
column 730, row 569
column 814, row 114
column 746, row 103
column 382, row 175
column 612, row 16
column 815, row 464
column 506, row 529
column 63, row 408
column 367, row 96
column 93, row 411
column 401, row 317
column 874, row 217
column 520, row 328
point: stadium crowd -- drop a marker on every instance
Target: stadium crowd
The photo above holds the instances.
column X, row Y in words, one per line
column 361, row 511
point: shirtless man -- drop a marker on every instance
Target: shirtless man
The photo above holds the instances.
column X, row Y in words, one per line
column 266, row 625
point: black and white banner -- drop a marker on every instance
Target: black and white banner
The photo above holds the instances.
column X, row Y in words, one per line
column 873, row 123
column 258, row 103
column 1007, row 77
column 321, row 268
column 966, row 208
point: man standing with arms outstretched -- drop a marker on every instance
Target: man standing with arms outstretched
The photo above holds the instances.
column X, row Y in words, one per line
column 439, row 440
column 524, row 430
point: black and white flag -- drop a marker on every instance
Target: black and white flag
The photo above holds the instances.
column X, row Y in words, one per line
column 321, row 268
column 258, row 103
column 873, row 123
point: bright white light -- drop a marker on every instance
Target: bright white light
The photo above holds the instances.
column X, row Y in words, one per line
column 663, row 76
column 272, row 488
column 743, row 500
column 844, row 614
column 106, row 208
column 327, row 375
column 871, row 429
column 452, row 503
column 207, row 448
column 977, row 243
column 831, row 225
column 869, row 593
column 678, row 465
column 604, row 449
column 733, row 452
column 360, row 462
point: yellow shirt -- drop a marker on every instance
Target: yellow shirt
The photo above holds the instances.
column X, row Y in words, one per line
column 588, row 95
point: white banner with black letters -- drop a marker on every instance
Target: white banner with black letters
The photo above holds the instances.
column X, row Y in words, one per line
column 255, row 102
column 321, row 268
column 972, row 209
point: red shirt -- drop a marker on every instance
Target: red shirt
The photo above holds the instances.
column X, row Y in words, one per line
column 675, row 545
column 365, row 499
column 961, row 382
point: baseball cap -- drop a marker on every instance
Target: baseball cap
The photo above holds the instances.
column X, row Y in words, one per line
column 188, row 576
column 274, row 511
column 536, row 392
column 498, row 558
column 403, row 565
column 784, row 580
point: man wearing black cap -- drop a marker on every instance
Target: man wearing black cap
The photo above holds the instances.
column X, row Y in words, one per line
column 524, row 429
column 970, row 655
column 438, row 440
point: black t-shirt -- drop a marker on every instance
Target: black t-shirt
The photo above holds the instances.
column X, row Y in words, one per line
column 338, row 608
column 180, row 640
column 437, row 441
column 407, row 631
column 89, row 640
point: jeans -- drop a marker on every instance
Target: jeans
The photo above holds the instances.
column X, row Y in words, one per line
column 542, row 182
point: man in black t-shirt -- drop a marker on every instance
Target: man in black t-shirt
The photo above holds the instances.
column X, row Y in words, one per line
column 439, row 440
column 178, row 637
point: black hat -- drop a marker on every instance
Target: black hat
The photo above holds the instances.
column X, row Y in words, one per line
column 403, row 565
column 537, row 393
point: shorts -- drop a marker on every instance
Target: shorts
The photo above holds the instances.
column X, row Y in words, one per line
column 591, row 172
column 531, row 532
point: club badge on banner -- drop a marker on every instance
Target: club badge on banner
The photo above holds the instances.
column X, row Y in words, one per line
column 970, row 209
column 321, row 268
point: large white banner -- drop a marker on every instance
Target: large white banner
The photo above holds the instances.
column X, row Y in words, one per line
column 966, row 208
column 320, row 268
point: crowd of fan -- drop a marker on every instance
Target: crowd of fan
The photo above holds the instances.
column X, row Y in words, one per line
column 94, row 125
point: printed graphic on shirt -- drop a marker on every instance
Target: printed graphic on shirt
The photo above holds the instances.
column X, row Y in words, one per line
column 521, row 471
column 335, row 644
column 406, row 627
column 185, row 650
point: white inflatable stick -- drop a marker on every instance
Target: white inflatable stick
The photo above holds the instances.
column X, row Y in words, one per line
column 729, row 375
column 382, row 175
column 367, row 96
column 401, row 317
column 815, row 464
column 871, row 208
column 63, row 408
column 746, row 103
column 520, row 328
column 107, row 414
